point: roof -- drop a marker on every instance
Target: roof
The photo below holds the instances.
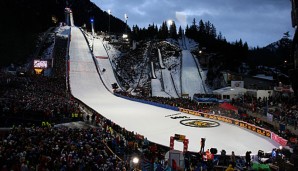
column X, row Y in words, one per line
column 230, row 90
column 262, row 76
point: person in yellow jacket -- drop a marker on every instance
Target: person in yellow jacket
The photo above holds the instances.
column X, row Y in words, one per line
column 230, row 168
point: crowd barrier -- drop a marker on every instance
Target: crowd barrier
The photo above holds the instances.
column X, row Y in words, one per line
column 148, row 102
column 242, row 124
column 278, row 139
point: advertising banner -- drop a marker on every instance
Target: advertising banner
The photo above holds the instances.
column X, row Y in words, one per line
column 279, row 139
column 239, row 123
column 237, row 84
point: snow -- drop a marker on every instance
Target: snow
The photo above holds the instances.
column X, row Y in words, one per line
column 157, row 89
column 203, row 76
column 168, row 83
column 165, row 78
column 191, row 80
column 193, row 77
column 152, row 70
column 229, row 90
column 148, row 120
column 103, row 61
column 63, row 31
column 264, row 77
column 174, row 63
column 160, row 60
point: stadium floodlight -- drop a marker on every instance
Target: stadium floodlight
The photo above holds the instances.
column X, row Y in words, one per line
column 109, row 12
column 92, row 26
column 170, row 22
column 125, row 17
column 124, row 36
column 135, row 160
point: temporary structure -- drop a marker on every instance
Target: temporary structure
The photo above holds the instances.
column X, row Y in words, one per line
column 230, row 93
column 228, row 106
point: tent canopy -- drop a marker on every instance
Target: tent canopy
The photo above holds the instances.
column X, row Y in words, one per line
column 228, row 106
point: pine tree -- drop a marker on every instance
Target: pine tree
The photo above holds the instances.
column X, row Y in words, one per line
column 173, row 30
column 187, row 30
column 213, row 31
column 192, row 32
column 286, row 35
column 202, row 29
column 135, row 32
column 219, row 36
column 180, row 32
column 208, row 28
column 245, row 46
column 163, row 31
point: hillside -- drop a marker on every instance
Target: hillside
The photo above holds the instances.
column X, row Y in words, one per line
column 274, row 54
column 22, row 21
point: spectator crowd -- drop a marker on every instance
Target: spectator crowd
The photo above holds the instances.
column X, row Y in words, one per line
column 37, row 98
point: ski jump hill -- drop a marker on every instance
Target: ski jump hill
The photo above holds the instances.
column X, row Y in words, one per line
column 158, row 124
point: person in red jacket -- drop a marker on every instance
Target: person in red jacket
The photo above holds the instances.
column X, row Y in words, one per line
column 174, row 165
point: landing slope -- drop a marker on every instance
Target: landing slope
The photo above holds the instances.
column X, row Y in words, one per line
column 152, row 122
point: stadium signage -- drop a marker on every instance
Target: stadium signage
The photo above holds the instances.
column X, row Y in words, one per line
column 199, row 123
column 241, row 124
column 279, row 139
column 192, row 112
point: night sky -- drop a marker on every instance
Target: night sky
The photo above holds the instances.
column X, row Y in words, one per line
column 258, row 22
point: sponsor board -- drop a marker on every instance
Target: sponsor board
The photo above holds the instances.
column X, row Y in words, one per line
column 235, row 84
column 192, row 112
column 200, row 123
column 279, row 139
column 241, row 124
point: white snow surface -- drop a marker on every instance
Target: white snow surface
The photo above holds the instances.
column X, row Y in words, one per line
column 191, row 80
column 168, row 83
column 104, row 63
column 157, row 89
column 147, row 120
column 263, row 76
column 63, row 31
column 160, row 60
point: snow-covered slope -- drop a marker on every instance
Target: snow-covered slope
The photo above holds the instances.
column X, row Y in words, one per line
column 104, row 63
column 147, row 120
column 192, row 80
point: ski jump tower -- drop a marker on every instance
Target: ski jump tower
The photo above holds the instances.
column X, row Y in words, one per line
column 68, row 17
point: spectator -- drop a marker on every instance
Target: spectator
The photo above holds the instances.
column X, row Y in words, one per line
column 174, row 165
column 233, row 159
column 248, row 159
column 230, row 168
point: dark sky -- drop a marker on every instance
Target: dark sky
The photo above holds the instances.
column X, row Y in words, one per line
column 258, row 22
